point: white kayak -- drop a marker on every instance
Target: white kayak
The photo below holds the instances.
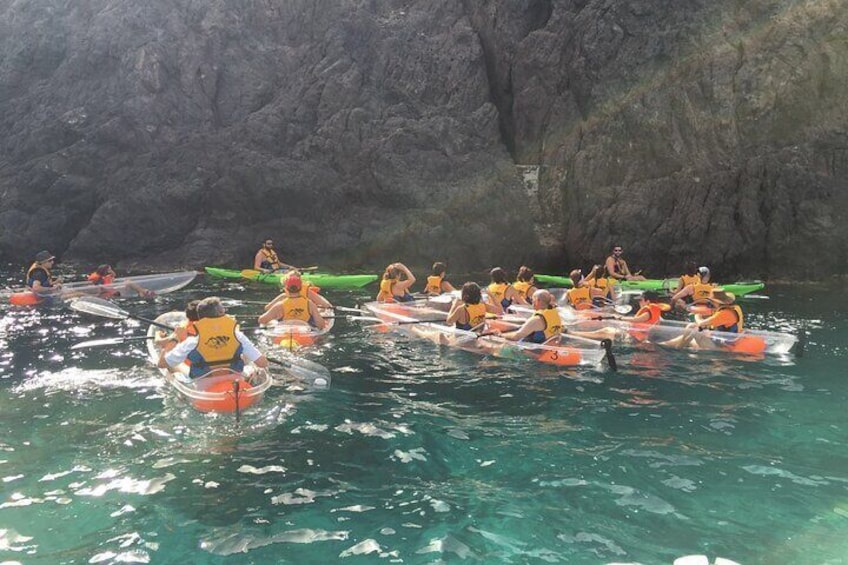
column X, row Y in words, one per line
column 220, row 390
column 122, row 287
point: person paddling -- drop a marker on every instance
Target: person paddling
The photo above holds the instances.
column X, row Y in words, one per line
column 295, row 307
column 219, row 343
column 266, row 259
column 582, row 296
column 38, row 276
column 698, row 292
column 617, row 266
column 307, row 289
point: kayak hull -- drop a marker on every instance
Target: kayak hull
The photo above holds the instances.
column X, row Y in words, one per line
column 219, row 390
column 160, row 283
column 295, row 335
column 321, row 280
column 410, row 318
column 737, row 288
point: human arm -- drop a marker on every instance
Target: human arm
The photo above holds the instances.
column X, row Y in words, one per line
column 317, row 319
column 178, row 354
column 447, row 287
column 402, row 286
column 257, row 261
column 273, row 313
column 317, row 299
column 512, row 294
column 250, row 352
column 533, row 324
column 456, row 309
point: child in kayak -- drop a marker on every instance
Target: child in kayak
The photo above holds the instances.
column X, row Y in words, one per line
column 502, row 294
column 105, row 275
column 469, row 311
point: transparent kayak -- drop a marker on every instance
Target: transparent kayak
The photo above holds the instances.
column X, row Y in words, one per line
column 419, row 319
column 294, row 335
column 220, row 390
column 124, row 287
column 667, row 332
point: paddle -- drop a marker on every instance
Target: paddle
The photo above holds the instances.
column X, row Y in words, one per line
column 103, row 308
column 123, row 339
column 607, row 344
column 314, row 373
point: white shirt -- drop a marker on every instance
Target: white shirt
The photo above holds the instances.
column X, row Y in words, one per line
column 179, row 353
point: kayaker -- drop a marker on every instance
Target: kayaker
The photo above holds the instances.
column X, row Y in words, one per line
column 502, row 294
column 308, row 290
column 218, row 343
column 266, row 259
column 436, row 283
column 469, row 311
column 182, row 331
column 617, row 266
column 38, row 275
column 600, row 279
column 698, row 292
column 525, row 283
column 582, row 296
column 295, row 307
column 650, row 310
column 105, row 275
column 394, row 287
column 543, row 326
column 727, row 317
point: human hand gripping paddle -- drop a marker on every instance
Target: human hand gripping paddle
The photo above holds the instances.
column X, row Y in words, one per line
column 310, row 371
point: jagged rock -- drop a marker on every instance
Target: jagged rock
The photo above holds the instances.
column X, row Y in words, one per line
column 357, row 133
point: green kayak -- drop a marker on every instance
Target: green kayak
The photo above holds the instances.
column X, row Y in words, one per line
column 737, row 288
column 322, row 280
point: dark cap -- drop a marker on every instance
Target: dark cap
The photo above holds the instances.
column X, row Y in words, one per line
column 44, row 256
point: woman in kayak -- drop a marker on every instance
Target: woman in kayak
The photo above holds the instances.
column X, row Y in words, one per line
column 394, row 287
column 218, row 343
column 582, row 295
column 697, row 292
column 469, row 311
column 727, row 317
column 38, row 277
column 295, row 307
column 599, row 278
column 617, row 266
column 105, row 275
column 436, row 283
column 502, row 294
column 525, row 283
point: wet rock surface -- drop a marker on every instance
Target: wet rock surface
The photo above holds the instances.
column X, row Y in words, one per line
column 354, row 133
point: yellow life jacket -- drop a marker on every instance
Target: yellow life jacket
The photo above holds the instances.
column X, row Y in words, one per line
column 271, row 257
column 686, row 280
column 522, row 287
column 605, row 284
column 434, row 284
column 553, row 323
column 385, row 294
column 702, row 291
column 35, row 266
column 729, row 319
column 217, row 345
column 296, row 308
column 476, row 314
column 497, row 292
column 580, row 297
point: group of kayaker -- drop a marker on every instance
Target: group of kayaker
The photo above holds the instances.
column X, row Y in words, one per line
column 39, row 278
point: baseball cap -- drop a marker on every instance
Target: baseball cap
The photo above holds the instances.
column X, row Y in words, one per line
column 43, row 256
column 293, row 282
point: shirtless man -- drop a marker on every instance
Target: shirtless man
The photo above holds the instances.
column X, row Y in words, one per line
column 617, row 267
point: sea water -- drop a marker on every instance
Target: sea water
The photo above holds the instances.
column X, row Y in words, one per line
column 422, row 454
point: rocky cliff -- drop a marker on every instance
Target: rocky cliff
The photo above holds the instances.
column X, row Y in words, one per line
column 178, row 132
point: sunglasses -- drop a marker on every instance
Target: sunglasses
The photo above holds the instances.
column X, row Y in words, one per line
column 269, row 243
column 616, row 250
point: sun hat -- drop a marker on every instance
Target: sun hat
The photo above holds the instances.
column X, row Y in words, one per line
column 703, row 270
column 44, row 256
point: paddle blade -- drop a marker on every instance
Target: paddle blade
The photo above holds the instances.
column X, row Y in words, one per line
column 98, row 307
column 314, row 374
column 607, row 344
column 98, row 342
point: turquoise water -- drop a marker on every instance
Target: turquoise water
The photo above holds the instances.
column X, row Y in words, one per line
column 422, row 455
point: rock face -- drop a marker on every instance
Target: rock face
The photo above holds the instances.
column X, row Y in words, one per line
column 361, row 132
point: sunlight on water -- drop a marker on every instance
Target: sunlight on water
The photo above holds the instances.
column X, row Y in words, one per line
column 418, row 453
